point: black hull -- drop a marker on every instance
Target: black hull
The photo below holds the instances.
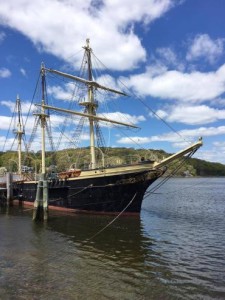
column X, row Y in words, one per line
column 100, row 194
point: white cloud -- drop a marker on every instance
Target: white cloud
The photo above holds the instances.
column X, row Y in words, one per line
column 62, row 92
column 181, row 137
column 219, row 102
column 168, row 57
column 25, row 106
column 192, row 115
column 156, row 69
column 23, row 72
column 70, row 89
column 194, row 86
column 134, row 140
column 219, row 144
column 213, row 155
column 9, row 104
column 4, row 73
column 5, row 122
column 167, row 54
column 2, row 36
column 122, row 117
column 190, row 134
column 205, row 47
column 61, row 27
column 162, row 114
column 6, row 144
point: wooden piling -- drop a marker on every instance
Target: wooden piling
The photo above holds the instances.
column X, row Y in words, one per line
column 9, row 188
column 40, row 211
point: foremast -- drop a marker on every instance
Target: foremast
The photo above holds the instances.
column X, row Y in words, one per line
column 41, row 201
column 43, row 119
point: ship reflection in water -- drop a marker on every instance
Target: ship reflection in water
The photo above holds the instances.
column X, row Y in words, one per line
column 57, row 260
column 170, row 252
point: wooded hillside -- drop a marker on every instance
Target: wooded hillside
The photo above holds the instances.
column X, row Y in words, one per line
column 79, row 158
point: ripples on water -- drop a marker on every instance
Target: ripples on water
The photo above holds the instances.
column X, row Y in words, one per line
column 175, row 250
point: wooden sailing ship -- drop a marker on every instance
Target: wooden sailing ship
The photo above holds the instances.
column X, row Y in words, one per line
column 105, row 189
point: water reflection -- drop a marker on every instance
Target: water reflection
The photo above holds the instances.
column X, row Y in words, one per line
column 174, row 250
column 57, row 260
column 122, row 254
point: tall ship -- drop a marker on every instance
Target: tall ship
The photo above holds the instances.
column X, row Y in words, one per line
column 96, row 187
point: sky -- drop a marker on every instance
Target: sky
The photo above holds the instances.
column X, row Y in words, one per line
column 171, row 53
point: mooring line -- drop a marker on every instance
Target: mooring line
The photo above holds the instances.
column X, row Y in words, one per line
column 87, row 187
column 170, row 175
column 111, row 222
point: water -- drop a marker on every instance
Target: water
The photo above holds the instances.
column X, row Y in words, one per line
column 175, row 250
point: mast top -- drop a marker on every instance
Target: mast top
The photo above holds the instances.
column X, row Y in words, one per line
column 87, row 46
column 42, row 67
column 88, row 43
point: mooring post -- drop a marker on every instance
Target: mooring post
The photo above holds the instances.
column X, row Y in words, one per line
column 9, row 188
column 45, row 200
column 37, row 200
column 41, row 202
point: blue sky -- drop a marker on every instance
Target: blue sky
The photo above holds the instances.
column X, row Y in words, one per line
column 170, row 53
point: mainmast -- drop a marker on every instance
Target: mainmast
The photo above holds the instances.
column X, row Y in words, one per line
column 91, row 105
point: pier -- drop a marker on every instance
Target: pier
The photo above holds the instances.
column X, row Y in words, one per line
column 6, row 192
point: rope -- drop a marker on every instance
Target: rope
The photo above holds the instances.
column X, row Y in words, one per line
column 7, row 135
column 170, row 175
column 111, row 222
column 87, row 187
column 146, row 105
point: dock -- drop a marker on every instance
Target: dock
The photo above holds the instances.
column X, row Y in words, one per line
column 3, row 195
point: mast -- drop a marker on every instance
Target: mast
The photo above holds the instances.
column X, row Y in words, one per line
column 94, row 84
column 41, row 200
column 94, row 117
column 43, row 119
column 19, row 133
column 43, row 116
column 91, row 105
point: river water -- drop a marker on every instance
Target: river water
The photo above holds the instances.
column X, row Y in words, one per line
column 174, row 250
